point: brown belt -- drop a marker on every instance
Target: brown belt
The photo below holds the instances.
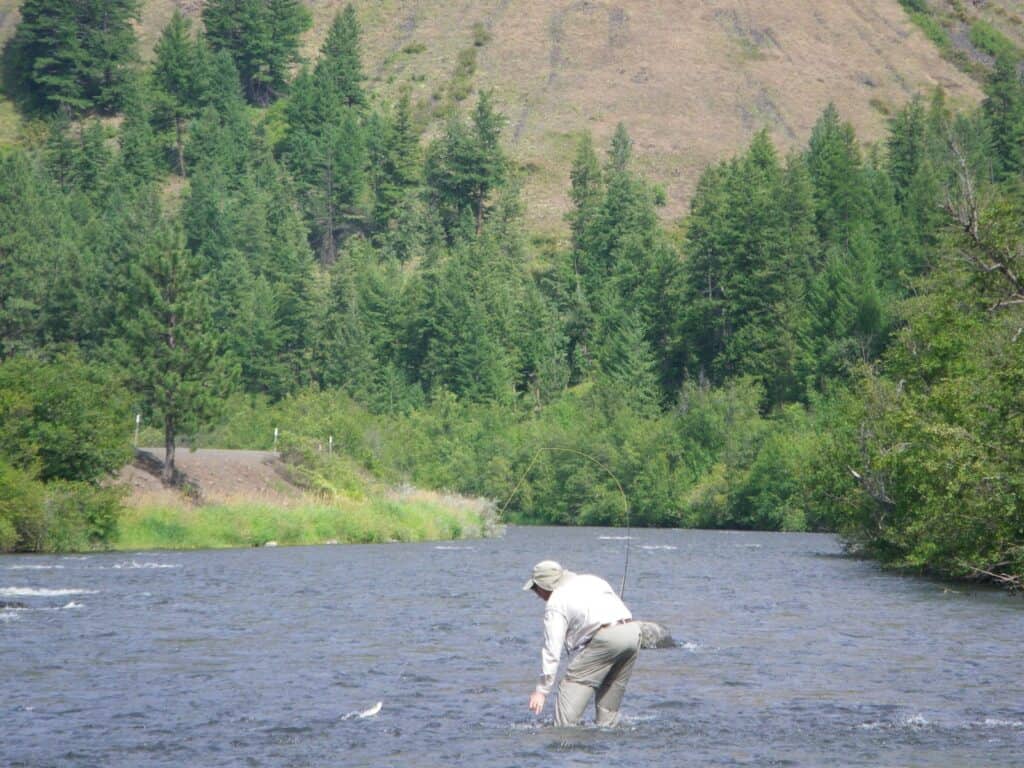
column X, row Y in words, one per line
column 613, row 624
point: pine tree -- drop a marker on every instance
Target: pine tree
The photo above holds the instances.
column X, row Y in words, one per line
column 178, row 79
column 172, row 354
column 467, row 164
column 74, row 55
column 907, row 145
column 263, row 38
column 394, row 154
column 140, row 153
column 1004, row 108
column 586, row 187
column 836, row 167
column 340, row 68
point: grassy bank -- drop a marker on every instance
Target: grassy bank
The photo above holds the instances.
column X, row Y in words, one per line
column 172, row 523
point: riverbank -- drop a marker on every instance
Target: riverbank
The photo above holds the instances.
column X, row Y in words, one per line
column 254, row 498
column 177, row 524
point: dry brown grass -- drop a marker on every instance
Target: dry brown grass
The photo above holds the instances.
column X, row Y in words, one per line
column 693, row 81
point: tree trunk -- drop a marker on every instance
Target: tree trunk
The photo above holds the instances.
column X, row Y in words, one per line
column 181, row 148
column 167, row 475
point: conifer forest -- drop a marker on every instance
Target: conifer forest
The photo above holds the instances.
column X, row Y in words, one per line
column 228, row 238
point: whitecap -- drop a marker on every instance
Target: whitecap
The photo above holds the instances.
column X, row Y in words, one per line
column 133, row 564
column 32, row 592
column 657, row 546
column 914, row 723
column 615, row 538
column 6, row 616
column 998, row 722
column 33, row 567
column 72, row 604
column 451, row 548
column 692, row 647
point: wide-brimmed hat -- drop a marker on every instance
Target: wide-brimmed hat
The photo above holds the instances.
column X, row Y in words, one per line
column 546, row 574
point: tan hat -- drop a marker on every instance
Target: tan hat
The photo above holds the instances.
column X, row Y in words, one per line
column 546, row 574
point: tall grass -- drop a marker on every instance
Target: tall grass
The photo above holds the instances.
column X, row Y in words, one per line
column 170, row 524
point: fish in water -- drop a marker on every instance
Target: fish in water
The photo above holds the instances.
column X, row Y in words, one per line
column 371, row 712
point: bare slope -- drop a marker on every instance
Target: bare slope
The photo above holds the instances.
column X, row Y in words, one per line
column 693, row 80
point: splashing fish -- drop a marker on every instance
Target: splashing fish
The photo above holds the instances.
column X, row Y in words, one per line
column 371, row 712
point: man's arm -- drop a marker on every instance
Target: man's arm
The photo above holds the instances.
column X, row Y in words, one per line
column 555, row 626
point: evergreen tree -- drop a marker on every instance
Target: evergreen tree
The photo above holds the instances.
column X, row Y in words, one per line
column 587, row 187
column 395, row 163
column 178, row 77
column 836, row 167
column 741, row 290
column 907, row 145
column 140, row 155
column 74, row 55
column 171, row 351
column 263, row 38
column 467, row 164
column 340, row 68
column 1004, row 108
column 37, row 253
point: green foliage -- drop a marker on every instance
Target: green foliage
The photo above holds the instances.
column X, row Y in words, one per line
column 262, row 37
column 63, row 419
column 81, row 516
column 466, row 165
column 21, row 509
column 72, row 56
column 171, row 351
column 992, row 41
column 1004, row 109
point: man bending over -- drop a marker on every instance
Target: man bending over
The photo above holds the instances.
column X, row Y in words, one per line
column 585, row 616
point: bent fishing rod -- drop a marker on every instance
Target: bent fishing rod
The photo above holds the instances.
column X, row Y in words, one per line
column 589, row 457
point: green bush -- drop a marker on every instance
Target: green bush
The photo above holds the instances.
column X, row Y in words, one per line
column 22, row 517
column 68, row 418
column 81, row 516
column 993, row 42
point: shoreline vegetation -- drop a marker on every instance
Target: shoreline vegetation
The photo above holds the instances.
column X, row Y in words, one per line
column 178, row 524
column 305, row 498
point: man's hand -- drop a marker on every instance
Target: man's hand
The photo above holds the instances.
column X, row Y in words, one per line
column 537, row 702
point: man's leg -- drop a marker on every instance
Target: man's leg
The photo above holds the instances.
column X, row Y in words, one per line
column 571, row 702
column 626, row 639
column 588, row 672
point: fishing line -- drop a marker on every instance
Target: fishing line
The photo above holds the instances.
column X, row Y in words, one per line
column 585, row 455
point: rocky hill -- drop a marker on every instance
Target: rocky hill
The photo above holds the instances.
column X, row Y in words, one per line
column 692, row 79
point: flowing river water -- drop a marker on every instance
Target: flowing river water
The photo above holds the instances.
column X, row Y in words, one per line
column 790, row 655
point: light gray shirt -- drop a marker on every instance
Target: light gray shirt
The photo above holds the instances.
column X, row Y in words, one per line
column 580, row 605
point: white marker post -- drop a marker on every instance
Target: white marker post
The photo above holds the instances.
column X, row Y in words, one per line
column 138, row 421
column 330, row 445
column 275, row 439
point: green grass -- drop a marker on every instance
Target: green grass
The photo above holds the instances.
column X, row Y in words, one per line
column 993, row 42
column 180, row 526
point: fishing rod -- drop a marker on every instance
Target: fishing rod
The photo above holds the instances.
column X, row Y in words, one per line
column 585, row 455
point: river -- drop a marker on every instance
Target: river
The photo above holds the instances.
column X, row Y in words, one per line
column 791, row 655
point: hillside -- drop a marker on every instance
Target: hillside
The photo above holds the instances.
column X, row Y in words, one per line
column 692, row 81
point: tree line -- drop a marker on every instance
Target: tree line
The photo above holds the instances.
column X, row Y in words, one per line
column 829, row 340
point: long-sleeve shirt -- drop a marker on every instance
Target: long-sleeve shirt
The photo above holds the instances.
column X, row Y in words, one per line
column 576, row 610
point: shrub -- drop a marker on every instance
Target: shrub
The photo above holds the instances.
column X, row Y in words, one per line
column 67, row 418
column 80, row 516
column 22, row 522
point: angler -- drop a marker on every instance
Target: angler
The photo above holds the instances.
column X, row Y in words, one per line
column 583, row 615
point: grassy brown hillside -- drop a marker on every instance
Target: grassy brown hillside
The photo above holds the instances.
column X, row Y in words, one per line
column 692, row 80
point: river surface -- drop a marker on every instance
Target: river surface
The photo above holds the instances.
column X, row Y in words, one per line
column 791, row 655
